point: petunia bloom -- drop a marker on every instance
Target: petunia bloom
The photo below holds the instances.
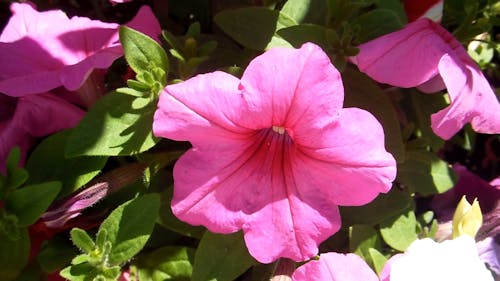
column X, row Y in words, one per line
column 26, row 118
column 274, row 153
column 335, row 267
column 425, row 55
column 41, row 51
column 426, row 259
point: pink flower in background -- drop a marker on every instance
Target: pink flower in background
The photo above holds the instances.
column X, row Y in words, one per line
column 335, row 267
column 274, row 153
column 417, row 9
column 26, row 118
column 41, row 51
column 119, row 1
column 425, row 55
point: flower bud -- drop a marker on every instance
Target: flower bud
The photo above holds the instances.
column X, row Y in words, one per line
column 467, row 218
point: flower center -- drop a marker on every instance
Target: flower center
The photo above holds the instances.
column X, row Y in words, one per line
column 278, row 129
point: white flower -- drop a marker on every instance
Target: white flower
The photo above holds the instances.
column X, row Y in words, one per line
column 428, row 260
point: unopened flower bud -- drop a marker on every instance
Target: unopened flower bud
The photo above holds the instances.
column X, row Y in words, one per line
column 467, row 218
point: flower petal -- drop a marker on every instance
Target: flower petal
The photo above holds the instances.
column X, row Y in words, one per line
column 201, row 110
column 405, row 58
column 291, row 87
column 348, row 161
column 298, row 219
column 26, row 20
column 53, row 50
column 335, row 267
column 472, row 101
column 44, row 114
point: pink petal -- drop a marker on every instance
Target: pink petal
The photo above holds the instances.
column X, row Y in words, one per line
column 405, row 58
column 203, row 110
column 385, row 275
column 244, row 173
column 35, row 116
column 292, row 88
column 145, row 21
column 414, row 55
column 53, row 50
column 44, row 114
column 472, row 101
column 335, row 267
column 349, row 161
column 27, row 21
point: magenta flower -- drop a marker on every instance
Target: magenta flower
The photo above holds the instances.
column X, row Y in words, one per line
column 26, row 118
column 424, row 54
column 335, row 267
column 274, row 153
column 41, row 51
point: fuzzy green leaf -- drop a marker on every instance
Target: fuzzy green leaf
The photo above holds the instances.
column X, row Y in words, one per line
column 48, row 162
column 29, row 203
column 221, row 257
column 129, row 226
column 116, row 125
column 141, row 52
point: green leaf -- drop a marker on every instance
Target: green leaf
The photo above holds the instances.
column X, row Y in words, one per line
column 141, row 52
column 15, row 176
column 362, row 238
column 116, row 125
column 400, row 231
column 383, row 207
column 395, row 6
column 82, row 240
column 167, row 263
column 423, row 172
column 423, row 106
column 48, row 162
column 131, row 92
column 302, row 33
column 376, row 23
column 306, row 11
column 177, row 55
column 139, row 86
column 56, row 254
column 221, row 257
column 242, row 24
column 29, row 203
column 13, row 255
column 79, row 272
column 129, row 226
column 194, row 30
column 378, row 260
column 363, row 93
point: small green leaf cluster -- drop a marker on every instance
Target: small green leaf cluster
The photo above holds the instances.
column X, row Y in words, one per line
column 121, row 236
column 190, row 53
column 21, row 205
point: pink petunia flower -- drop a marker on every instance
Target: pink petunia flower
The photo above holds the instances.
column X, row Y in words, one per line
column 26, row 118
column 119, row 1
column 425, row 55
column 417, row 9
column 41, row 51
column 335, row 267
column 274, row 153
